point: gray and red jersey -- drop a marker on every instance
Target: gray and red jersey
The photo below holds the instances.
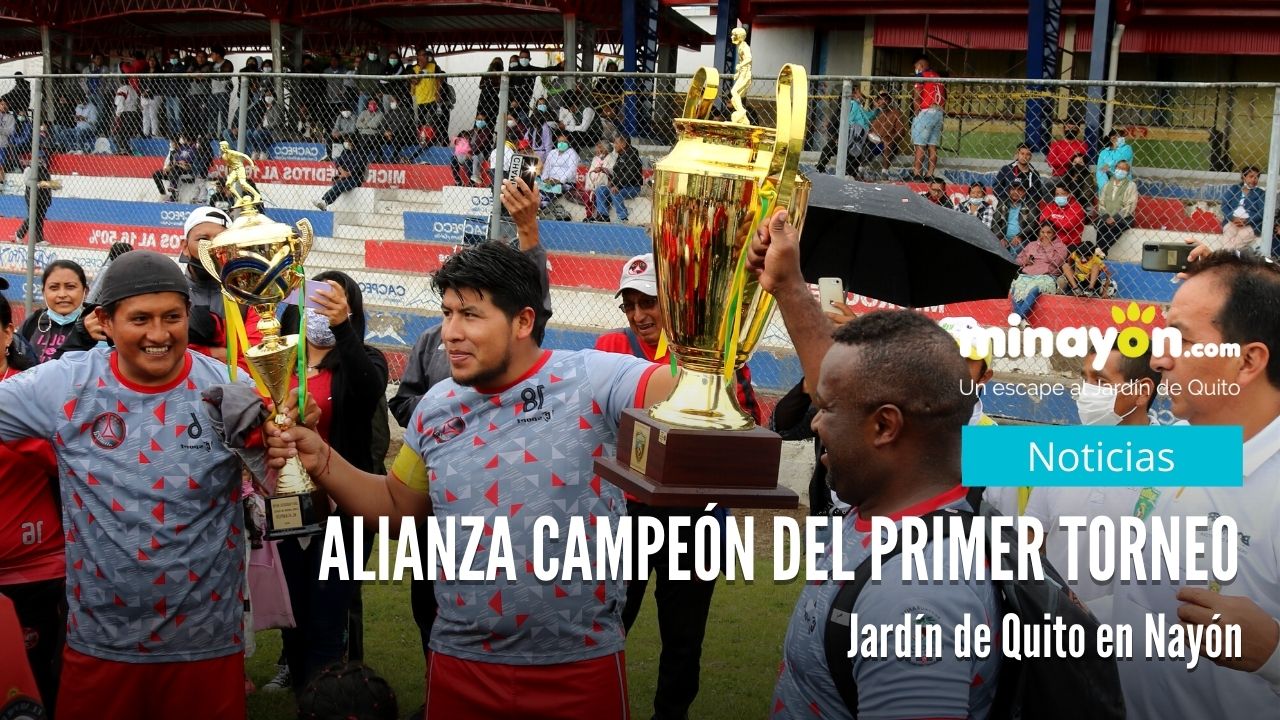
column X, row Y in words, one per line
column 151, row 513
column 522, row 452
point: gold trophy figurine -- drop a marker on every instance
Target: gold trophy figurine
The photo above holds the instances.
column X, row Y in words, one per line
column 720, row 181
column 258, row 262
column 741, row 77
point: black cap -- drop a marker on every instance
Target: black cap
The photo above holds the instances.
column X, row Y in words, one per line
column 139, row 273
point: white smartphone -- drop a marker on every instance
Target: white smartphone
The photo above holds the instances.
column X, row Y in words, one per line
column 830, row 290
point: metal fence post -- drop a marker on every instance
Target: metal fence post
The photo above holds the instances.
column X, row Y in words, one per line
column 33, row 177
column 842, row 144
column 499, row 169
column 1273, row 179
column 243, row 122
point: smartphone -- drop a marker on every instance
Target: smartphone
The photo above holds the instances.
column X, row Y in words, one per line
column 311, row 287
column 522, row 165
column 830, row 290
column 1168, row 257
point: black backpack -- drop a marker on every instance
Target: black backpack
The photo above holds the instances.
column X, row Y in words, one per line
column 1033, row 688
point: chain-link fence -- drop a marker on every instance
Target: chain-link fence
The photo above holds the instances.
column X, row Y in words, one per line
column 395, row 173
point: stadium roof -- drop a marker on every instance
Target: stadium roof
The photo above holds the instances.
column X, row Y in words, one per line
column 446, row 25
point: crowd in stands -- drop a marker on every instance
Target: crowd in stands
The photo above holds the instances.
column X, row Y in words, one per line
column 1040, row 221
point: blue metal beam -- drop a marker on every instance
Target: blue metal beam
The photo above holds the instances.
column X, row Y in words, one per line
column 1103, row 29
column 726, row 21
column 1044, row 24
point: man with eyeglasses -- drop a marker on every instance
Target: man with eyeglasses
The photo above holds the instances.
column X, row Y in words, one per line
column 683, row 605
column 937, row 194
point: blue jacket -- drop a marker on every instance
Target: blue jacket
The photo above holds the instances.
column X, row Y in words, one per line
column 1253, row 204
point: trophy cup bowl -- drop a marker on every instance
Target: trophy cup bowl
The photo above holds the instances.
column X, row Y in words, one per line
column 257, row 261
column 710, row 194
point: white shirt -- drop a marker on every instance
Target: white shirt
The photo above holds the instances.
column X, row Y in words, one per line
column 588, row 116
column 561, row 167
column 126, row 99
column 1161, row 690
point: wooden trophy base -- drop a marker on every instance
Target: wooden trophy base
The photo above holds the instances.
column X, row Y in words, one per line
column 296, row 515
column 671, row 466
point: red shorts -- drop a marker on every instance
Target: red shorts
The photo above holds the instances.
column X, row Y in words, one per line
column 112, row 690
column 587, row 690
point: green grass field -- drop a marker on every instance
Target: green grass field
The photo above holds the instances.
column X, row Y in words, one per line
column 739, row 658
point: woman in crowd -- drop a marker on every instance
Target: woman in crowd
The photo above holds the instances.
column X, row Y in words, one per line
column 32, row 568
column 543, row 127
column 348, row 380
column 1041, row 263
column 489, row 85
column 64, row 287
column 977, row 204
column 1242, row 209
column 1065, row 214
column 1116, row 205
column 1117, row 149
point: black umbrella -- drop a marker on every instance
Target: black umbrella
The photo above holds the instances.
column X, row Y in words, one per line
column 888, row 243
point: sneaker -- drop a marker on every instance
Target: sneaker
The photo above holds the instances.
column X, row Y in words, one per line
column 321, row 206
column 282, row 681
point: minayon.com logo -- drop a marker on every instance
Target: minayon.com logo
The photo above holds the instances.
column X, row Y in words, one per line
column 1132, row 334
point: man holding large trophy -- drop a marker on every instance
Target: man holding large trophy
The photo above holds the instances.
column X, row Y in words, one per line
column 710, row 193
column 259, row 263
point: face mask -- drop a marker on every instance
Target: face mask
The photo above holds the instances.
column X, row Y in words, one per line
column 346, row 146
column 481, row 123
column 268, row 99
column 1060, row 201
column 318, row 331
column 393, row 62
column 562, row 146
column 975, row 201
column 373, row 56
column 542, row 108
column 173, row 61
column 430, row 60
column 346, row 113
column 919, row 73
column 1119, row 142
column 1120, row 174
column 511, row 123
column 64, row 319
column 524, row 62
column 267, row 68
column 393, row 106
column 1096, row 405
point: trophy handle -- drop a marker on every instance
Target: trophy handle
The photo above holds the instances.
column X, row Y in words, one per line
column 202, row 249
column 702, row 93
column 792, row 103
column 306, row 238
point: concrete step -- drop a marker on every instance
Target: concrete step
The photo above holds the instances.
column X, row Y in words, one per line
column 377, row 218
column 397, row 208
column 416, row 197
column 366, row 232
column 340, row 246
column 324, row 260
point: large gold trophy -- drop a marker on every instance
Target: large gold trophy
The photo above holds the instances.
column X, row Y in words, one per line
column 710, row 193
column 258, row 262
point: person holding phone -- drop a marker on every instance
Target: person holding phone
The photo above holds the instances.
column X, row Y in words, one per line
column 348, row 379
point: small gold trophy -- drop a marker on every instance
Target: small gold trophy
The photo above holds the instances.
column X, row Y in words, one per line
column 258, row 262
column 720, row 181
